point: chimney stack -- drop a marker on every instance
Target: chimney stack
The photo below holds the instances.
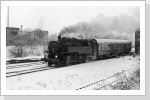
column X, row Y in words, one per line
column 59, row 38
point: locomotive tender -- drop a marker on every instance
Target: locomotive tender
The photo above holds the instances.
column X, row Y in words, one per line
column 71, row 50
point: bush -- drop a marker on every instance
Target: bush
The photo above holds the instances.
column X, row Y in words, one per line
column 124, row 82
column 14, row 51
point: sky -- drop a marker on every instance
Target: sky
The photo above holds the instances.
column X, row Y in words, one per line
column 54, row 18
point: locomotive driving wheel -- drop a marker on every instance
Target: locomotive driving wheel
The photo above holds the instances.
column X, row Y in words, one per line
column 80, row 59
column 49, row 63
column 57, row 64
column 84, row 58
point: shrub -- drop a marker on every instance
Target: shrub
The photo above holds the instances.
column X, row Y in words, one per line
column 130, row 82
column 14, row 51
column 123, row 82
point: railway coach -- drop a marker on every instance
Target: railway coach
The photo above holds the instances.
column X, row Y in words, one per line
column 113, row 47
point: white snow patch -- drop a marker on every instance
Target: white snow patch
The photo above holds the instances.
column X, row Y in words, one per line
column 71, row 77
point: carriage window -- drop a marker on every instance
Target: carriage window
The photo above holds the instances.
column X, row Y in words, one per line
column 119, row 46
column 127, row 45
column 99, row 46
column 114, row 46
column 109, row 47
column 102, row 46
column 106, row 46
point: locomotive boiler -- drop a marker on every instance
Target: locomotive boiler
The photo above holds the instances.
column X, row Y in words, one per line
column 70, row 51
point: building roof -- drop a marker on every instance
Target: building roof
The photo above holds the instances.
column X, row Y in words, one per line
column 112, row 41
column 138, row 29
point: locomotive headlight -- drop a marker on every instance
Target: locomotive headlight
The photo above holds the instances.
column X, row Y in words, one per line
column 56, row 56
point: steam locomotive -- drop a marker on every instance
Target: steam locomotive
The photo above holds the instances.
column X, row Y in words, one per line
column 71, row 50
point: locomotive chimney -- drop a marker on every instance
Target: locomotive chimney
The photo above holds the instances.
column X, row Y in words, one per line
column 59, row 38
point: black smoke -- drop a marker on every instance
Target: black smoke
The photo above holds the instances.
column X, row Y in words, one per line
column 122, row 26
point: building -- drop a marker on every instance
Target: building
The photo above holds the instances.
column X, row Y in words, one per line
column 11, row 34
column 137, row 41
column 12, row 31
column 15, row 37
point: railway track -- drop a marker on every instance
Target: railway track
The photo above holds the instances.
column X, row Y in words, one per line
column 25, row 68
column 93, row 85
column 13, row 66
column 15, row 61
column 14, row 69
column 21, row 72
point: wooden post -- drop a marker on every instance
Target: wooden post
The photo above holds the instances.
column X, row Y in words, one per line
column 21, row 42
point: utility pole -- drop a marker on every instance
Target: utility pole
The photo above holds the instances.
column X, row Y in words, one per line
column 8, row 17
column 21, row 41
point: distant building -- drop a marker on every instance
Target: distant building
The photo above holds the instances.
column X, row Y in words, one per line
column 15, row 37
column 11, row 33
column 137, row 41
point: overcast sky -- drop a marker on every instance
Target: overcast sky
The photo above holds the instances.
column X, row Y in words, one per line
column 56, row 17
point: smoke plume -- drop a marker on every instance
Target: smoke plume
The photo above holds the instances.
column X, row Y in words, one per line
column 122, row 26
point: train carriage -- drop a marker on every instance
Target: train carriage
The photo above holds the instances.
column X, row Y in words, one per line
column 110, row 47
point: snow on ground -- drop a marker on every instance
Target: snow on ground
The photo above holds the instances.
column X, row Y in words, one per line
column 71, row 77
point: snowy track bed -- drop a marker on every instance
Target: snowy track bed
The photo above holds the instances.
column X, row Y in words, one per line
column 72, row 77
column 24, row 68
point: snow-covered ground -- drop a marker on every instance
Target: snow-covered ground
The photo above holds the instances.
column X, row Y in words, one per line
column 71, row 77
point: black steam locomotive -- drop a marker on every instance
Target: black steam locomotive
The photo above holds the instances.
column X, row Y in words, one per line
column 71, row 50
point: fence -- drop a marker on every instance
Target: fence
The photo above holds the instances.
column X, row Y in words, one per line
column 125, row 80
